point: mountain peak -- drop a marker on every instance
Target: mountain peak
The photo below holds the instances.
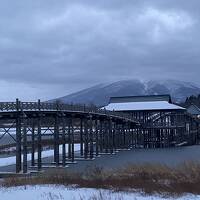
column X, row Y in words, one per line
column 101, row 93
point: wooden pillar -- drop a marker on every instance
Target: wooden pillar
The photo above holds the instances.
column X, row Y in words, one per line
column 101, row 137
column 24, row 147
column 128, row 138
column 132, row 136
column 91, row 138
column 118, row 134
column 97, row 136
column 106, row 136
column 103, row 144
column 33, row 144
column 39, row 145
column 124, row 135
column 63, row 141
column 56, row 140
column 81, row 136
column 69, row 139
column 110, row 143
column 18, row 137
column 86, row 138
column 137, row 142
column 114, row 136
column 72, row 137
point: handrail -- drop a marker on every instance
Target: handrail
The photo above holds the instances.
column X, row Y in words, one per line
column 46, row 106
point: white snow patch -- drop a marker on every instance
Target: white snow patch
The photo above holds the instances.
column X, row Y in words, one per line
column 150, row 105
column 12, row 160
column 52, row 192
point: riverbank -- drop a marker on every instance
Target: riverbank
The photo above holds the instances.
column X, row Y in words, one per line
column 148, row 178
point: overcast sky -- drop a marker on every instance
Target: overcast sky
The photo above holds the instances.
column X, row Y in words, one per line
column 50, row 48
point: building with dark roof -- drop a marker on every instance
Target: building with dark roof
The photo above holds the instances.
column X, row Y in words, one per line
column 140, row 98
column 162, row 123
column 142, row 103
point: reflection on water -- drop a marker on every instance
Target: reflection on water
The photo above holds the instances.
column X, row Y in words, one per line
column 170, row 156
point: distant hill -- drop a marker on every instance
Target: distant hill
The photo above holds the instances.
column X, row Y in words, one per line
column 100, row 94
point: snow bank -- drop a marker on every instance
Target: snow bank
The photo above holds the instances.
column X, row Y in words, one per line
column 51, row 192
column 12, row 160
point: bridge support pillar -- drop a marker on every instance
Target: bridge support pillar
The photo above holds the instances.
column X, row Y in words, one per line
column 69, row 139
column 106, row 136
column 18, row 138
column 63, row 142
column 97, row 136
column 91, row 138
column 56, row 140
column 81, row 137
column 117, row 136
column 33, row 144
column 101, row 137
column 86, row 138
column 39, row 138
column 124, row 136
column 110, row 136
column 114, row 136
column 24, row 148
column 72, row 134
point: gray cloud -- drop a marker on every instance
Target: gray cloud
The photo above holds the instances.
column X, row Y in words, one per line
column 52, row 48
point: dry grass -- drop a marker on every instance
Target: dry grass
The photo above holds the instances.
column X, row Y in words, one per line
column 148, row 178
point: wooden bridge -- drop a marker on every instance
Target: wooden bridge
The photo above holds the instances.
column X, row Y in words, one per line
column 96, row 130
column 35, row 125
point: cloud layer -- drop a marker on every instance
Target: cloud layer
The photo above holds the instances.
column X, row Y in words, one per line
column 51, row 48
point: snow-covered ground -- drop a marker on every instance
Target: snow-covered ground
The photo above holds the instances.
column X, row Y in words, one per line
column 51, row 192
column 12, row 160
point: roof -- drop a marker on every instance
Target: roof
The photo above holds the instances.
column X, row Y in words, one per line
column 142, row 106
column 148, row 98
column 193, row 109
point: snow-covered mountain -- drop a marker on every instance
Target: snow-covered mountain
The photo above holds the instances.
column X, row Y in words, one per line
column 101, row 93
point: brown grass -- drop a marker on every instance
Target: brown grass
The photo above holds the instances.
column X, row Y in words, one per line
column 148, row 178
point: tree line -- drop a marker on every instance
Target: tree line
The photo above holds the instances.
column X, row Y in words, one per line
column 192, row 100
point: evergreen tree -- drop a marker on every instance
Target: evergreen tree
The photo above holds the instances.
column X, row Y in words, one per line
column 192, row 100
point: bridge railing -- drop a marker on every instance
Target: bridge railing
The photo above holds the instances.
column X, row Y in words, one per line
column 46, row 106
column 7, row 106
